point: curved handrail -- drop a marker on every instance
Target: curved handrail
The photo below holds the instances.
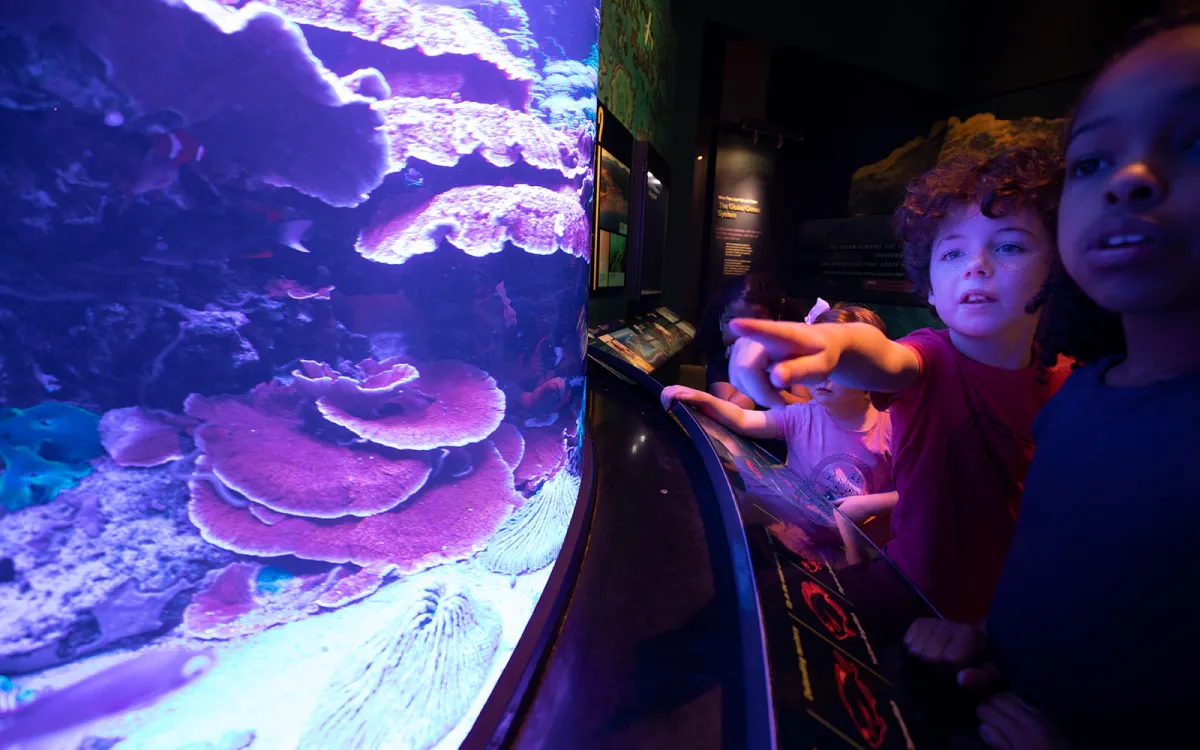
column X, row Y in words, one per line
column 759, row 707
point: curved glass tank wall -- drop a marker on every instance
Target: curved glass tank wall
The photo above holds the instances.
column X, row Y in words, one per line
column 291, row 361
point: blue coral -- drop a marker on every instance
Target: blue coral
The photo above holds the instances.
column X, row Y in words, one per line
column 45, row 449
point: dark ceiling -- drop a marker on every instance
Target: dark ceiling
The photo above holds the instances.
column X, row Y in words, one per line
column 964, row 49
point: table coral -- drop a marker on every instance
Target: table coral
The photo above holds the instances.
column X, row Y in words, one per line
column 465, row 407
column 442, row 523
column 259, row 448
column 480, row 220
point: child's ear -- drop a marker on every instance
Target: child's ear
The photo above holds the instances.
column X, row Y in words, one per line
column 930, row 299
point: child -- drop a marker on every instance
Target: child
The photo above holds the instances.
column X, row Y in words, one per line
column 839, row 441
column 749, row 296
column 1093, row 624
column 978, row 245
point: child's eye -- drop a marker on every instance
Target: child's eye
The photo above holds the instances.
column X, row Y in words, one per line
column 1088, row 166
column 1010, row 248
column 951, row 254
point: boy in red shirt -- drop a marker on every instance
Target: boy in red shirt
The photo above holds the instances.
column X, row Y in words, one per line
column 978, row 245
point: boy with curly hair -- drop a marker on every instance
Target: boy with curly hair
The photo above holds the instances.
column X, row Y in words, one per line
column 979, row 246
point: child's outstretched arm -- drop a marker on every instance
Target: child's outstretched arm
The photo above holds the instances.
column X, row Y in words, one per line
column 779, row 354
column 756, row 424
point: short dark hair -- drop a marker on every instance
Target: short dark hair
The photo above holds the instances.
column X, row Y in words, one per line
column 1072, row 323
column 1000, row 185
column 841, row 313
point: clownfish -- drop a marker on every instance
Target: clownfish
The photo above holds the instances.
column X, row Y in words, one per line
column 178, row 146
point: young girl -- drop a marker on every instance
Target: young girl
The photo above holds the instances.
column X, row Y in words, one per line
column 838, row 440
column 1093, row 623
column 749, row 296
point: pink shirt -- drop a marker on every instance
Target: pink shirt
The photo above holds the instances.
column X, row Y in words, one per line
column 837, row 461
column 964, row 441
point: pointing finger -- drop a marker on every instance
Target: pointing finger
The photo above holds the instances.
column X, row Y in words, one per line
column 781, row 339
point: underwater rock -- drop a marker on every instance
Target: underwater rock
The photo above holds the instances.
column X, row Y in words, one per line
column 441, row 132
column 533, row 535
column 249, row 597
column 130, row 684
column 258, row 447
column 414, row 680
column 442, row 523
column 508, row 441
column 122, row 534
column 545, row 454
column 138, row 437
column 268, row 105
column 466, row 407
column 481, row 220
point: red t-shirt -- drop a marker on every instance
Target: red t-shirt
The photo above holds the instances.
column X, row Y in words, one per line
column 962, row 441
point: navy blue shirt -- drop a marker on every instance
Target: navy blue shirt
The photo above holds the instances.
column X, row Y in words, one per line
column 1096, row 620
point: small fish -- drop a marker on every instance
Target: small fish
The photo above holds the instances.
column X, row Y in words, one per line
column 510, row 314
column 131, row 684
column 212, row 235
column 178, row 146
column 413, row 178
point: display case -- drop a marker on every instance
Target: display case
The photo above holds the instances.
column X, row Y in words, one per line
column 293, row 340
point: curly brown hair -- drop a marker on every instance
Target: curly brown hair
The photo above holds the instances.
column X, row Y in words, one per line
column 1000, row 185
column 842, row 313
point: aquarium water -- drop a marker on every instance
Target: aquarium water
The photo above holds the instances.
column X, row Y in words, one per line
column 292, row 340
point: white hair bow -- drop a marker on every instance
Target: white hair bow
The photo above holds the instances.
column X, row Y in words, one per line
column 817, row 309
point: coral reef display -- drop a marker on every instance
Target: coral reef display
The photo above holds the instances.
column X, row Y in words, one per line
column 290, row 326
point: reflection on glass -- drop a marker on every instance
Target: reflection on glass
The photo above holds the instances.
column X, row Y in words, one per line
column 293, row 360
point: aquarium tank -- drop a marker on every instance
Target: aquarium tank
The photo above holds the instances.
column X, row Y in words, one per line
column 292, row 342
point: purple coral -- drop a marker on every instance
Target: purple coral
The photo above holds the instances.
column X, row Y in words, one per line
column 236, row 602
column 479, row 220
column 138, row 437
column 382, row 383
column 545, row 453
column 258, row 447
column 441, row 132
column 445, row 522
column 464, row 406
column 244, row 83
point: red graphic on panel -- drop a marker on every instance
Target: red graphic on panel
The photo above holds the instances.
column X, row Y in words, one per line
column 832, row 616
column 812, row 566
column 859, row 702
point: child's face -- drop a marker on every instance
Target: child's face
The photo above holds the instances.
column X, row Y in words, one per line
column 738, row 309
column 837, row 397
column 1129, row 221
column 984, row 272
